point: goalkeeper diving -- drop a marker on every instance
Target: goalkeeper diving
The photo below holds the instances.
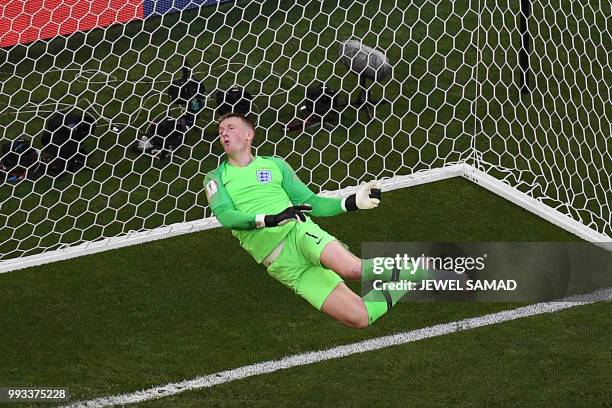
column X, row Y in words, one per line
column 268, row 209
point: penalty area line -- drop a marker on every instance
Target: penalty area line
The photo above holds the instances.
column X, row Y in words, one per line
column 312, row 357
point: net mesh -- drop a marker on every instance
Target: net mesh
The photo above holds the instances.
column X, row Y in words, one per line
column 451, row 96
column 552, row 143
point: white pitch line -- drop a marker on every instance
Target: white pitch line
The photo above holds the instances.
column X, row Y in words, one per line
column 312, row 357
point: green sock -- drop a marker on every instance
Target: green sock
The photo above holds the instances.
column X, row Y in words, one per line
column 378, row 302
column 375, row 309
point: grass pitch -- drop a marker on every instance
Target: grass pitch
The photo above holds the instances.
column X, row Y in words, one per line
column 171, row 310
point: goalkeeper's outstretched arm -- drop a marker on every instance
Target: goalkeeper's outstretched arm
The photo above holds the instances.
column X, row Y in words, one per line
column 367, row 196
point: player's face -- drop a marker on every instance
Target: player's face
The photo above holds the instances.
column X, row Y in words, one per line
column 235, row 135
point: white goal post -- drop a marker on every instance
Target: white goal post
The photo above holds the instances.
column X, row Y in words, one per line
column 513, row 96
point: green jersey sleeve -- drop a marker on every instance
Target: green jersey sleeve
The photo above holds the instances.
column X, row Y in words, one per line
column 222, row 206
column 299, row 193
column 229, row 217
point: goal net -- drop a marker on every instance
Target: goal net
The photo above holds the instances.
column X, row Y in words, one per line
column 552, row 142
column 107, row 109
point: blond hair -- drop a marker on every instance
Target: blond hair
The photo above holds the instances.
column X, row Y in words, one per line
column 247, row 121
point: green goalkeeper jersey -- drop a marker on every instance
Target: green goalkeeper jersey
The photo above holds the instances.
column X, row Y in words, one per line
column 267, row 185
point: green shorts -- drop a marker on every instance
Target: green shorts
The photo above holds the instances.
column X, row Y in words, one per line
column 299, row 267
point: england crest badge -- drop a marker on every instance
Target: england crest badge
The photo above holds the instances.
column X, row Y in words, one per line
column 264, row 176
